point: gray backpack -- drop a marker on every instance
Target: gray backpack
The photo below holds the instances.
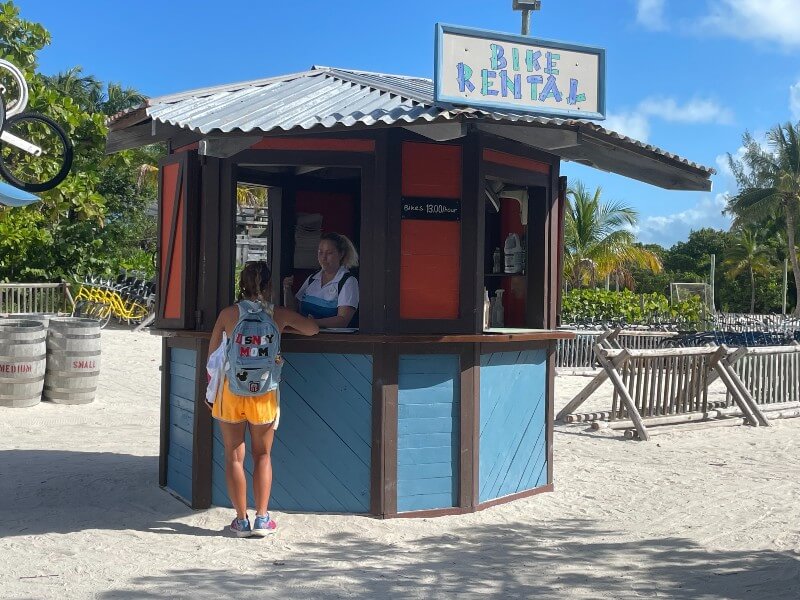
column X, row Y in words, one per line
column 252, row 366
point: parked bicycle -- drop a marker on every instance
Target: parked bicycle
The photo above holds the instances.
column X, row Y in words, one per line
column 130, row 299
column 35, row 152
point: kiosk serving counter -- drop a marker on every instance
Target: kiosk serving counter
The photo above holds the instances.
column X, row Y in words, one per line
column 422, row 411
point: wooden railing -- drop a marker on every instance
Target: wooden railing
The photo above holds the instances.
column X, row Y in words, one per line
column 579, row 351
column 656, row 390
column 49, row 298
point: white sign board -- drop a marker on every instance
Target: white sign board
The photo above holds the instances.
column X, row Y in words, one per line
column 517, row 73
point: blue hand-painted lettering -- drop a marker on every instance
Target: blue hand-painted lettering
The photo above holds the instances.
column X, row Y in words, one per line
column 464, row 73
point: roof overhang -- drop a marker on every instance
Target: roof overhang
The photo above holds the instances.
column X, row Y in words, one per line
column 326, row 100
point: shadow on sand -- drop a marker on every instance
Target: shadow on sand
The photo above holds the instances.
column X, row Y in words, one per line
column 564, row 560
column 44, row 491
column 60, row 492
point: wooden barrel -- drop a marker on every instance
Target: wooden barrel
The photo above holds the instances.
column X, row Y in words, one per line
column 43, row 318
column 22, row 362
column 73, row 360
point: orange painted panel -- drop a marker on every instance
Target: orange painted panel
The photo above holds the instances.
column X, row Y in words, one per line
column 431, row 170
column 171, row 289
column 329, row 144
column 430, row 266
column 510, row 160
column 431, row 237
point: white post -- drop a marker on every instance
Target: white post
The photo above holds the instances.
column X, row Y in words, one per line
column 713, row 288
column 785, row 281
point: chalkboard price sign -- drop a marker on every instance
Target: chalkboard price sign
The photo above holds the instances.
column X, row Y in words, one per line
column 431, row 209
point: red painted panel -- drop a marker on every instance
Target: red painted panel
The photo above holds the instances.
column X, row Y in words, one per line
column 514, row 297
column 329, row 144
column 510, row 160
column 187, row 147
column 430, row 265
column 338, row 210
column 431, row 170
column 171, row 289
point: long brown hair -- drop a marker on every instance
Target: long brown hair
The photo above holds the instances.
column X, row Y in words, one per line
column 254, row 280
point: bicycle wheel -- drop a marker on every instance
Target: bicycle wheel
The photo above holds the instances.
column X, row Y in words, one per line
column 36, row 153
column 101, row 312
column 13, row 88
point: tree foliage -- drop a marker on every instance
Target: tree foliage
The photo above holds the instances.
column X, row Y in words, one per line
column 97, row 220
column 597, row 239
column 769, row 187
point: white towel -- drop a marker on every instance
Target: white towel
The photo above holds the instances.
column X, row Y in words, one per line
column 215, row 370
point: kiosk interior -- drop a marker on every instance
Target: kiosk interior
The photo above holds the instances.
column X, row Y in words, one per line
column 422, row 410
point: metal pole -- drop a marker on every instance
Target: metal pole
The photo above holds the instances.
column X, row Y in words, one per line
column 785, row 281
column 713, row 287
column 526, row 22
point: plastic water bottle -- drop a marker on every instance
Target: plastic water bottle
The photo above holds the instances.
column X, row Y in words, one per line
column 498, row 314
column 513, row 252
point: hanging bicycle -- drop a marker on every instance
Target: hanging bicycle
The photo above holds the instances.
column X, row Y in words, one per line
column 35, row 152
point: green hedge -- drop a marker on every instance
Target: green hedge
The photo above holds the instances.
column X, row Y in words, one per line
column 595, row 305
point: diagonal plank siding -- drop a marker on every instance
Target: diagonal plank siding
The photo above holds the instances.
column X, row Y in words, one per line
column 322, row 450
column 512, row 423
column 427, row 432
column 182, row 369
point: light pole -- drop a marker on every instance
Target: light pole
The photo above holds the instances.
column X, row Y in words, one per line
column 526, row 6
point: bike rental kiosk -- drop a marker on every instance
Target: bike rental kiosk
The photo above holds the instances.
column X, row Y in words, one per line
column 451, row 191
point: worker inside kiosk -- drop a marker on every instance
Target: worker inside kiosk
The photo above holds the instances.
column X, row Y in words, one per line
column 329, row 296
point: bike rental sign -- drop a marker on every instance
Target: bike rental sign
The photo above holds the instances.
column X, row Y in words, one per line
column 516, row 73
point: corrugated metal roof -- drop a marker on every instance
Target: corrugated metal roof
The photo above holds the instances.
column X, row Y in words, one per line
column 331, row 98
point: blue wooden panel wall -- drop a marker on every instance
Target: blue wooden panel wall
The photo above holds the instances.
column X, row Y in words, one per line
column 513, row 445
column 322, row 452
column 182, row 368
column 428, row 431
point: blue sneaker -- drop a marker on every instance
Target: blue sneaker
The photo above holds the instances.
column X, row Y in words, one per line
column 264, row 525
column 241, row 527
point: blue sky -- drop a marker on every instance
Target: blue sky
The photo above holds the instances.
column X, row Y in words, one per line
column 689, row 77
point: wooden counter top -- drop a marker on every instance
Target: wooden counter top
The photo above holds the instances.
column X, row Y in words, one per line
column 525, row 335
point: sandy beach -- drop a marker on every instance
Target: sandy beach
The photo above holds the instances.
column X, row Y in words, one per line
column 693, row 515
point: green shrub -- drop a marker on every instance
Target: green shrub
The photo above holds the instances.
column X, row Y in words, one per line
column 597, row 305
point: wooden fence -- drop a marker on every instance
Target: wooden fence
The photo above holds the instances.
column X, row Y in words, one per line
column 50, row 298
column 666, row 388
column 579, row 351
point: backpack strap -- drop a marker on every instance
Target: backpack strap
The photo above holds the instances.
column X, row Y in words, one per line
column 342, row 281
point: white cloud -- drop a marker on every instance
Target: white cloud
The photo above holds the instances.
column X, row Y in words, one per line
column 668, row 229
column 650, row 14
column 636, row 123
column 694, row 111
column 770, row 20
column 794, row 101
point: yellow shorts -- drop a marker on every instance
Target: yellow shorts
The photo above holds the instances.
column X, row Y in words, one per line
column 256, row 410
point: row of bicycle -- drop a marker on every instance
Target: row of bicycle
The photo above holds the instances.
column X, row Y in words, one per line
column 129, row 299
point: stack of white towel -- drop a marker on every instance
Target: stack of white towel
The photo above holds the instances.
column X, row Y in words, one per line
column 306, row 240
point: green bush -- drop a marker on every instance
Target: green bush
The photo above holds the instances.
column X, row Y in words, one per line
column 596, row 305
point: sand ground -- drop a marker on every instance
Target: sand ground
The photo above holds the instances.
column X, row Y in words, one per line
column 695, row 515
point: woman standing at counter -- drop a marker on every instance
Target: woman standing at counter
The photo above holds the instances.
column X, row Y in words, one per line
column 330, row 296
column 259, row 411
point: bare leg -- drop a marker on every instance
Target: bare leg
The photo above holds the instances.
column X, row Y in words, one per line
column 261, row 437
column 233, row 438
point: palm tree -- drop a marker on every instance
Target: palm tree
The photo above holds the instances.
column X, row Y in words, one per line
column 769, row 181
column 748, row 254
column 597, row 241
column 90, row 94
column 81, row 88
